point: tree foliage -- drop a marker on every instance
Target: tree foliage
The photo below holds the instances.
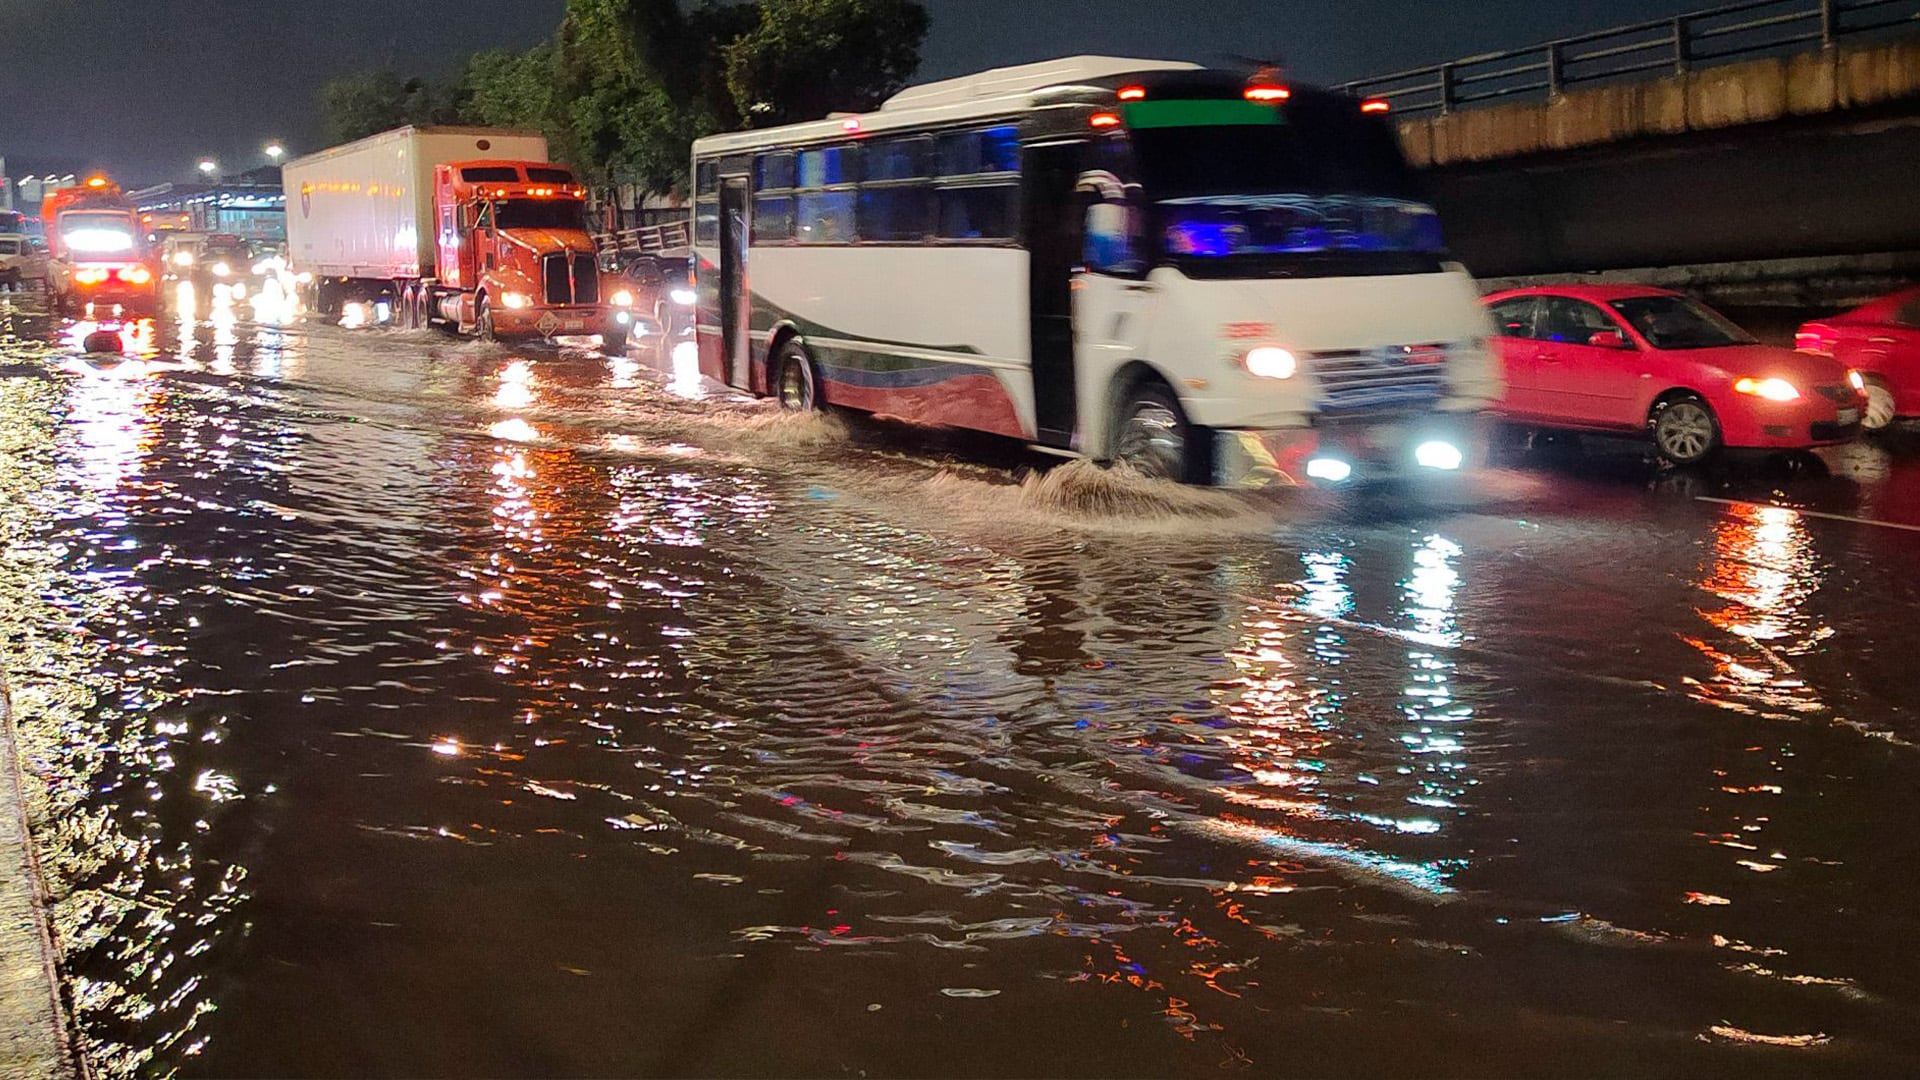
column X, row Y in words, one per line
column 625, row 86
column 808, row 58
column 356, row 106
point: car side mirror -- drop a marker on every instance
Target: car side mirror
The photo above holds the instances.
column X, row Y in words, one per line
column 1608, row 339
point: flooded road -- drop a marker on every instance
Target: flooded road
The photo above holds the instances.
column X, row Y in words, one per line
column 409, row 707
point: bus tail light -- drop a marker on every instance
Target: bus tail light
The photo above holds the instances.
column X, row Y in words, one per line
column 1376, row 105
column 1106, row 120
column 1133, row 93
column 1268, row 92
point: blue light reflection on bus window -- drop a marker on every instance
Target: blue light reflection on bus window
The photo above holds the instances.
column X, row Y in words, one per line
column 1218, row 227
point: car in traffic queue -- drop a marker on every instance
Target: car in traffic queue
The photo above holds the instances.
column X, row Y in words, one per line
column 661, row 295
column 1635, row 360
column 1881, row 341
column 23, row 264
column 216, row 265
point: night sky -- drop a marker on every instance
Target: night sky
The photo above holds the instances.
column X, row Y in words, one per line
column 145, row 88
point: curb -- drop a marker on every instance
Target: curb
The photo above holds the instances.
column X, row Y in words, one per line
column 35, row 1035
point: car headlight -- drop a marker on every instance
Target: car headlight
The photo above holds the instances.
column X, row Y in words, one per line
column 1270, row 362
column 183, row 258
column 685, row 297
column 1857, row 381
column 1770, row 389
column 623, row 298
column 514, row 301
column 221, row 269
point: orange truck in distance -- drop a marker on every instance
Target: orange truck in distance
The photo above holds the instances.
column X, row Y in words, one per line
column 467, row 228
column 99, row 260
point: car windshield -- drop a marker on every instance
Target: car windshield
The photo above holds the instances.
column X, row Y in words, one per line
column 541, row 214
column 1675, row 322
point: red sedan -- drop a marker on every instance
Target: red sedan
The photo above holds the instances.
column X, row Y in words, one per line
column 1636, row 360
column 1882, row 342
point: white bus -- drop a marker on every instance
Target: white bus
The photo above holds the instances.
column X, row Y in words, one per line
column 1210, row 278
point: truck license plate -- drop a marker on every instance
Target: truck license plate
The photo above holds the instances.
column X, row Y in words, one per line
column 574, row 324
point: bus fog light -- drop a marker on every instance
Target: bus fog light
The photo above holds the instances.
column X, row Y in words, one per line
column 1438, row 455
column 1332, row 470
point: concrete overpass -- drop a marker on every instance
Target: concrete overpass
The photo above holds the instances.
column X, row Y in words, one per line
column 1766, row 153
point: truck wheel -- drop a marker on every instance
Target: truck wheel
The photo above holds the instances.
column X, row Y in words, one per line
column 483, row 322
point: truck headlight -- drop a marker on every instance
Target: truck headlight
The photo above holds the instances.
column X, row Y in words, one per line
column 686, row 297
column 623, row 298
column 1270, row 362
column 221, row 269
column 514, row 301
column 183, row 258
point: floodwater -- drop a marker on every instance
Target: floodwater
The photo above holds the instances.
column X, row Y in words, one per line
column 410, row 707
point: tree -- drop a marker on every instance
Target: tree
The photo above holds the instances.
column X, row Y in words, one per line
column 808, row 58
column 356, row 106
column 506, row 89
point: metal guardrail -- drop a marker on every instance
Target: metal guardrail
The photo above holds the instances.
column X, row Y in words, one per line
column 648, row 239
column 1747, row 30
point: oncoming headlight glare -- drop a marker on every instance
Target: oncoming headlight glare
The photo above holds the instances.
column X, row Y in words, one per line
column 1270, row 362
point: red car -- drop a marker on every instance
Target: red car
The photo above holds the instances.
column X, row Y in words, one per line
column 1882, row 342
column 1626, row 359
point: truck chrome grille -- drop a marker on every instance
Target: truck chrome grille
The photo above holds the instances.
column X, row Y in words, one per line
column 586, row 279
column 559, row 283
column 1396, row 376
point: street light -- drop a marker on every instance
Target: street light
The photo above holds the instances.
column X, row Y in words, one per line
column 275, row 152
column 209, row 166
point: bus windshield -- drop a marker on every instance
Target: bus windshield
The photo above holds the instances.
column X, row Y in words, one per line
column 1317, row 178
column 98, row 233
column 541, row 214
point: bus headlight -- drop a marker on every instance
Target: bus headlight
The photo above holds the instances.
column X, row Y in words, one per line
column 1332, row 470
column 1439, row 455
column 684, row 297
column 514, row 301
column 1270, row 362
column 623, row 298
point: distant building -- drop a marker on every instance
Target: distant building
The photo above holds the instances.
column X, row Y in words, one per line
column 34, row 189
column 251, row 205
column 6, row 187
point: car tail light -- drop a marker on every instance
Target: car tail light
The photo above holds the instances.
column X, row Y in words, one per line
column 1813, row 340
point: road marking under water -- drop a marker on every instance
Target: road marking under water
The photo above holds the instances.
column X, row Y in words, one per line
column 1812, row 513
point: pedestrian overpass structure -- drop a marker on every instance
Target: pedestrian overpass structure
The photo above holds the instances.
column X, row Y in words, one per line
column 1765, row 152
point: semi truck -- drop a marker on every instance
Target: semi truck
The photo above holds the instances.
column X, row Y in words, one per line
column 99, row 261
column 466, row 228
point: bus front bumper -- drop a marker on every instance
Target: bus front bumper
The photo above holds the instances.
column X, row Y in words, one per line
column 1344, row 452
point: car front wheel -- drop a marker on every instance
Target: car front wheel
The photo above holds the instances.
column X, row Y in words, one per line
column 1686, row 432
column 1879, row 413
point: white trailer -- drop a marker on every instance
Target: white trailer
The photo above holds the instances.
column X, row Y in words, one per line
column 366, row 210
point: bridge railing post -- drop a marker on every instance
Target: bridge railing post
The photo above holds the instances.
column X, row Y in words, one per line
column 1556, row 69
column 1682, row 48
column 1829, row 23
column 1446, row 89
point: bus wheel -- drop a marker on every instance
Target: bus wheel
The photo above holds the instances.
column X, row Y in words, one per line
column 796, row 387
column 1155, row 440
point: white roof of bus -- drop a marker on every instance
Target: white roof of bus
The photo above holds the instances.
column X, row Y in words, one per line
column 1002, row 90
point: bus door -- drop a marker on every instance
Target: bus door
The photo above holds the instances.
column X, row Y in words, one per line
column 1052, row 228
column 736, row 307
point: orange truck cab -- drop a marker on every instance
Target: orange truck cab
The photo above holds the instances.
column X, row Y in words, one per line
column 514, row 254
column 99, row 257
